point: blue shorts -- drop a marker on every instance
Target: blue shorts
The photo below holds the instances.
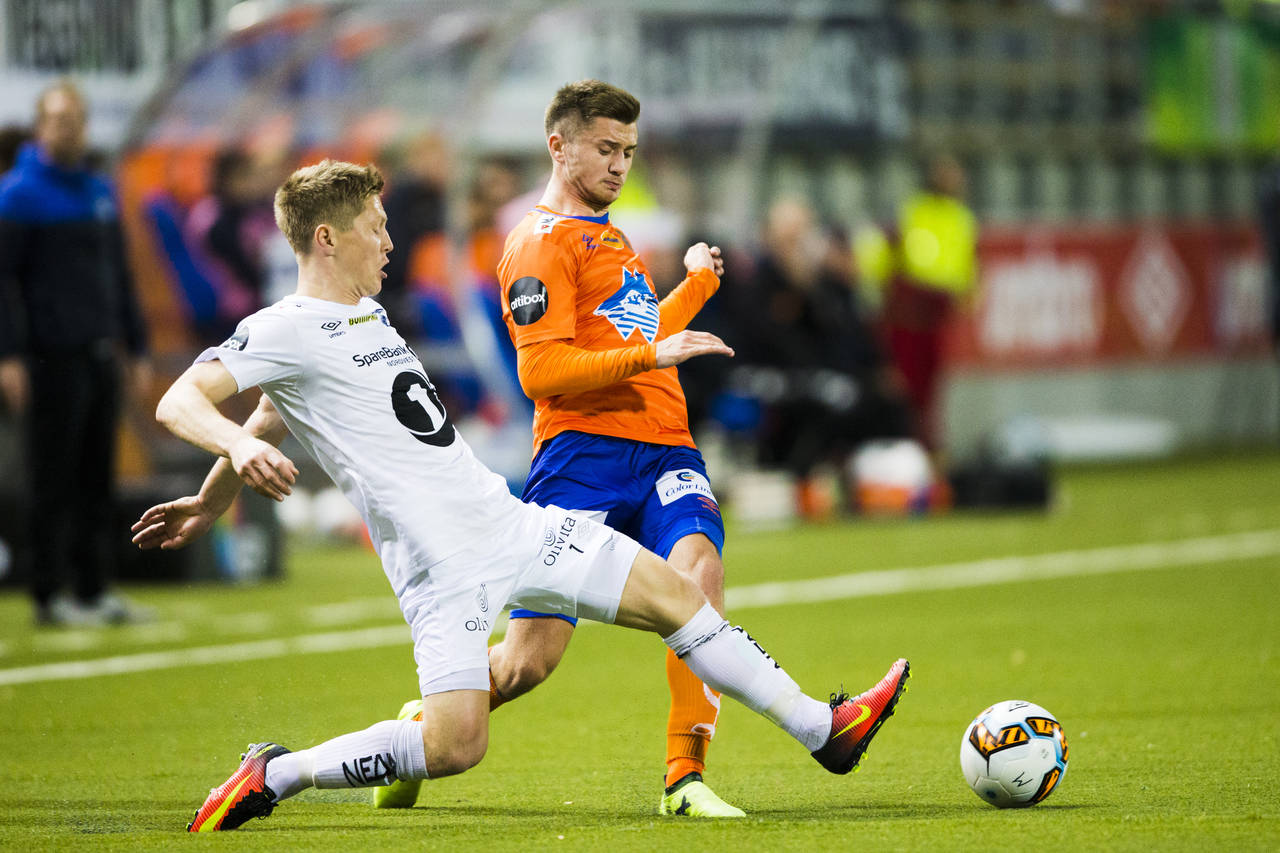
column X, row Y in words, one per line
column 655, row 493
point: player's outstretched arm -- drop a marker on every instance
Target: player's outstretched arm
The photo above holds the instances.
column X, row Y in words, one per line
column 178, row 523
column 550, row 368
column 189, row 409
column 683, row 346
column 175, row 524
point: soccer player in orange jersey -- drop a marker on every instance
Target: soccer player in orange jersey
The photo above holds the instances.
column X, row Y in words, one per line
column 597, row 351
column 455, row 545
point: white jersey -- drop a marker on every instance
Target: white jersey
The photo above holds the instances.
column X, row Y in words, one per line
column 355, row 395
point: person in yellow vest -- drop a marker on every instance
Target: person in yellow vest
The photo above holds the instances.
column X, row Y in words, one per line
column 929, row 267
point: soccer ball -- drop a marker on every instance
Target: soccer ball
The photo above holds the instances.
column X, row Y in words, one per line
column 1014, row 754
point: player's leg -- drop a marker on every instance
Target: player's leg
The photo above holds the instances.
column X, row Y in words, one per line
column 451, row 738
column 679, row 518
column 583, row 473
column 403, row 793
column 450, row 621
column 534, row 646
column 698, row 558
column 591, row 571
column 529, row 652
column 658, row 598
column 695, row 708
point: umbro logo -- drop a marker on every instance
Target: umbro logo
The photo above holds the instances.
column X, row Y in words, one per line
column 331, row 325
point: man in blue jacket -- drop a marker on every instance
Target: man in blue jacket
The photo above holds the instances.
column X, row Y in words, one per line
column 68, row 324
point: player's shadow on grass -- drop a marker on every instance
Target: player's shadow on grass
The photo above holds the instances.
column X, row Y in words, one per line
column 860, row 813
column 467, row 810
column 94, row 817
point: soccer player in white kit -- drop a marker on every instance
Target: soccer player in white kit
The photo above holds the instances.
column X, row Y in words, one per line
column 456, row 546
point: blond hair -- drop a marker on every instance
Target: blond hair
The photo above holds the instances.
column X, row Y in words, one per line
column 330, row 192
column 65, row 86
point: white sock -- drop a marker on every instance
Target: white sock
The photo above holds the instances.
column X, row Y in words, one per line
column 728, row 660
column 379, row 755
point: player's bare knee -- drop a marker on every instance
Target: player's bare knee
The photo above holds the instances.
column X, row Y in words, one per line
column 454, row 754
column 691, row 592
column 527, row 672
column 708, row 574
column 458, row 758
column 528, row 655
column 697, row 557
column 680, row 601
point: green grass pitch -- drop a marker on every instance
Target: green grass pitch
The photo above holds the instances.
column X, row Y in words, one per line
column 1166, row 679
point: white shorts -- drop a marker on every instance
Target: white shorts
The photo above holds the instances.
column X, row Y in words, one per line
column 576, row 567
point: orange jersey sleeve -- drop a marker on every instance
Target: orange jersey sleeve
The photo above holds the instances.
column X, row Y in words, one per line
column 585, row 320
column 687, row 299
column 541, row 299
column 549, row 368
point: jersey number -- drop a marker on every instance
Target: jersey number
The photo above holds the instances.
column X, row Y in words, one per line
column 418, row 408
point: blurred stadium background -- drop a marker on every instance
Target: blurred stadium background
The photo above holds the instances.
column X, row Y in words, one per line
column 1114, row 153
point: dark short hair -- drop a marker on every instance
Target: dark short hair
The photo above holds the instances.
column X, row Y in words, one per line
column 331, row 191
column 576, row 104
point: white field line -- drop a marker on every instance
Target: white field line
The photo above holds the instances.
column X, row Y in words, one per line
column 353, row 610
column 334, row 641
column 1061, row 564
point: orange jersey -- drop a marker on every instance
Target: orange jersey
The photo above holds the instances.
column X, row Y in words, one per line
column 576, row 279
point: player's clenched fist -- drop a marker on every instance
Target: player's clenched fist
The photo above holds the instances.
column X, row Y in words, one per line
column 702, row 256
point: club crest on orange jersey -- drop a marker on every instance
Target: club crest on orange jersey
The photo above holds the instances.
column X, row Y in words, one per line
column 633, row 306
column 612, row 240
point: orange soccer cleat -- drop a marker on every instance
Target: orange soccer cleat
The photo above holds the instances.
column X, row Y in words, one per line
column 854, row 722
column 245, row 795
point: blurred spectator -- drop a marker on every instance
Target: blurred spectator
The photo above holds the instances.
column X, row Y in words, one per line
column 415, row 205
column 1269, row 223
column 446, row 287
column 229, row 229
column 806, row 350
column 69, row 318
column 496, row 183
column 274, row 161
column 931, row 268
column 189, row 272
